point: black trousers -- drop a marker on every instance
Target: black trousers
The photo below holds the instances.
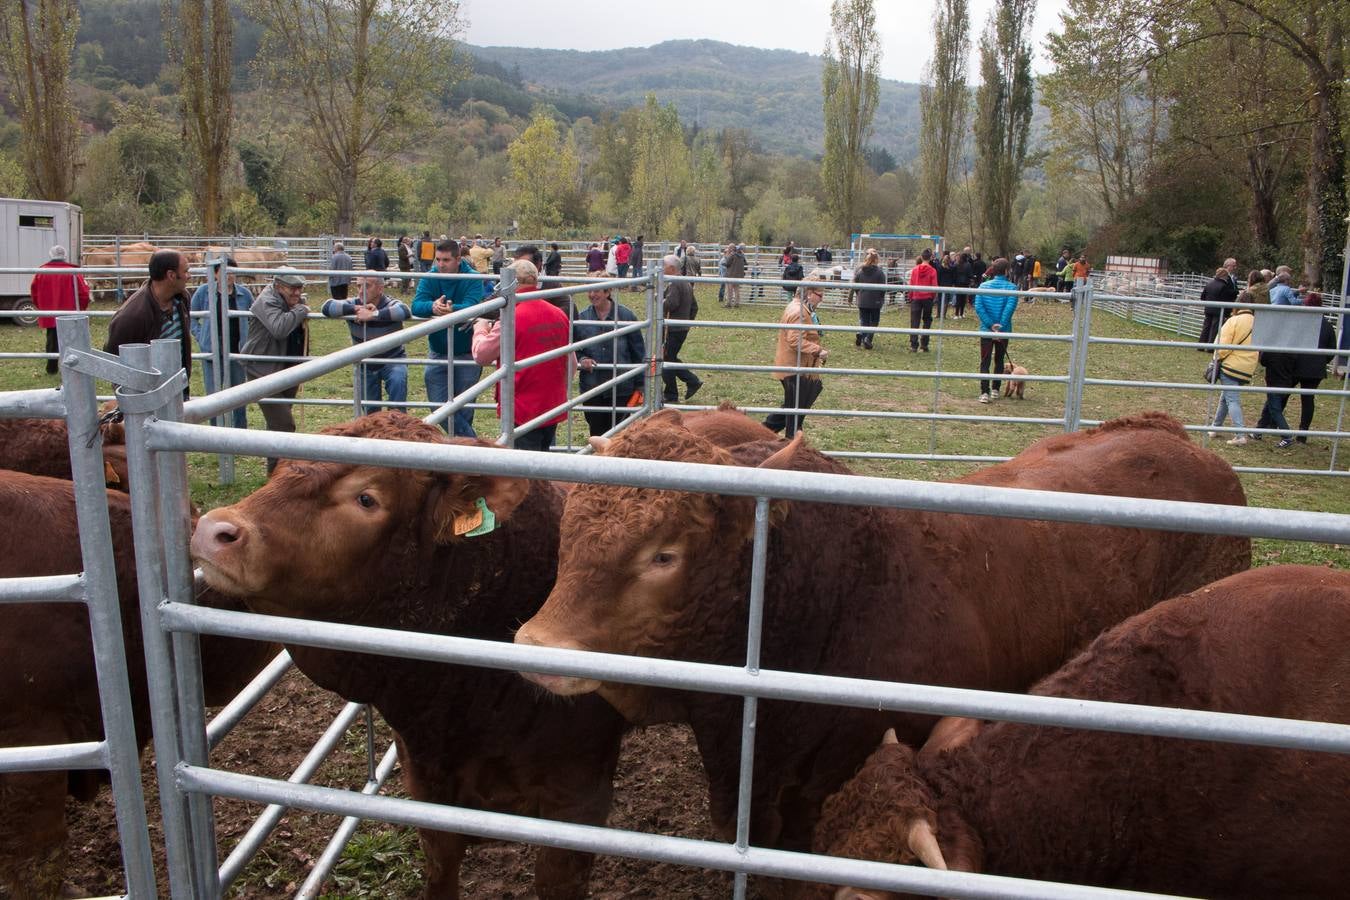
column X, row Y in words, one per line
column 799, row 392
column 540, row 438
column 1306, row 403
column 867, row 318
column 604, row 420
column 1214, row 319
column 674, row 341
column 339, row 291
column 920, row 310
column 53, row 346
column 998, row 349
column 961, row 304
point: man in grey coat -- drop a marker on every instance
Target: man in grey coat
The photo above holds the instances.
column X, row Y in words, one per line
column 278, row 329
column 338, row 284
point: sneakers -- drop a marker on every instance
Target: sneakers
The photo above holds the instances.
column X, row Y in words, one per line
column 984, row 398
column 1238, row 441
column 1285, row 442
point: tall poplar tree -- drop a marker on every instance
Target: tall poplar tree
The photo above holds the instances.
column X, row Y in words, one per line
column 851, row 87
column 36, row 40
column 205, row 61
column 943, row 103
column 1003, row 115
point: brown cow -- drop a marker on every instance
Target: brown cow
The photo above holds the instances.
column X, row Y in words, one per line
column 41, row 447
column 1128, row 811
column 48, row 687
column 134, row 254
column 386, row 547
column 725, row 426
column 863, row 592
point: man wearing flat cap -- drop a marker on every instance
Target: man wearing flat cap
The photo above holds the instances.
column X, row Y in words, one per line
column 278, row 329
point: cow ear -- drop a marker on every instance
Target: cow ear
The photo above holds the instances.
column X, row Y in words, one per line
column 784, row 460
column 948, row 734
column 470, row 505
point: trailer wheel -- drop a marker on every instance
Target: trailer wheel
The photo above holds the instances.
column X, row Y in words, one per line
column 26, row 305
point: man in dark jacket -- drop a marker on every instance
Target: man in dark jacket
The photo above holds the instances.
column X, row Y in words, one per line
column 594, row 362
column 1221, row 289
column 678, row 303
column 793, row 272
column 158, row 309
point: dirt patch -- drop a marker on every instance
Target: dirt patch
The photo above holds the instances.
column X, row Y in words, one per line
column 659, row 789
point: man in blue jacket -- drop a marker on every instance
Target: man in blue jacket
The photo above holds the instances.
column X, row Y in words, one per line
column 440, row 297
column 995, row 312
column 375, row 314
column 234, row 328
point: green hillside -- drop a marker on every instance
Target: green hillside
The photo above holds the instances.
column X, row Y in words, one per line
column 773, row 93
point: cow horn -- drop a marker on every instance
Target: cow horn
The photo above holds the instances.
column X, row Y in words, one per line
column 598, row 444
column 889, row 737
column 783, row 458
column 923, row 844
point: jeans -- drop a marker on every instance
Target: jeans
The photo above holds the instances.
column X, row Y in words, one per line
column 623, row 269
column 467, row 373
column 998, row 348
column 799, row 392
column 1229, row 403
column 394, row 379
column 867, row 318
column 240, row 414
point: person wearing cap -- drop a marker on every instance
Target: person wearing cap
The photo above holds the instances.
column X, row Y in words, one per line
column 233, row 328
column 799, row 348
column 279, row 329
column 57, row 292
column 371, row 315
column 157, row 310
column 539, row 327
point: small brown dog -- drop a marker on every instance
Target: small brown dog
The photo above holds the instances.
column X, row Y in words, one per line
column 1010, row 386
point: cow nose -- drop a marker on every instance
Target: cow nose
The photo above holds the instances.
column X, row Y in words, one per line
column 212, row 534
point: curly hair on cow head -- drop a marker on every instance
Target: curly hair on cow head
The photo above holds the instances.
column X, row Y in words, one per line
column 1151, row 419
column 870, row 816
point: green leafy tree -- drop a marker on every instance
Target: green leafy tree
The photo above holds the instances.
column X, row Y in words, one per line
column 1106, row 106
column 851, row 87
column 37, row 38
column 661, row 175
column 545, row 171
column 744, row 165
column 943, row 101
column 365, row 73
column 204, row 56
column 1003, row 115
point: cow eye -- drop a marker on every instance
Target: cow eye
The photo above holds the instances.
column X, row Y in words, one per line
column 663, row 558
column 366, row 501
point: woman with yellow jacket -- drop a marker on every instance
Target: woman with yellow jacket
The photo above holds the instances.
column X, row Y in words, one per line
column 1235, row 366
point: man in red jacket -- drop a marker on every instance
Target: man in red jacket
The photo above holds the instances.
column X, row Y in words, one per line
column 921, row 302
column 57, row 292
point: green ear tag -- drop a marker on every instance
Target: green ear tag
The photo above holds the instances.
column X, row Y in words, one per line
column 488, row 524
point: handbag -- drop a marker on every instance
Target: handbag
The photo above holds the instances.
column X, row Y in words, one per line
column 1212, row 371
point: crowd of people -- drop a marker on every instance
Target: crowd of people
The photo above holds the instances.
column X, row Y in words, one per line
column 274, row 325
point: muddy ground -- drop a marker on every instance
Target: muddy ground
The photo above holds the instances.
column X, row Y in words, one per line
column 660, row 789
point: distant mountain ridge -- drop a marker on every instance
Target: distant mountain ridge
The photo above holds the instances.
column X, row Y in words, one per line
column 773, row 93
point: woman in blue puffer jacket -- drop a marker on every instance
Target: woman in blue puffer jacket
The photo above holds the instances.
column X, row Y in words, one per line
column 995, row 312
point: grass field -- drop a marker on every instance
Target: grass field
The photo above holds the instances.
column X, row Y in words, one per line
column 916, row 394
column 382, row 855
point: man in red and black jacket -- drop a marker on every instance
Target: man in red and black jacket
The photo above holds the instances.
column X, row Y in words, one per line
column 57, row 291
column 921, row 302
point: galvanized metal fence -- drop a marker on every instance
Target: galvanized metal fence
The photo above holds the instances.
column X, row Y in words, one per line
column 158, row 433
column 157, row 436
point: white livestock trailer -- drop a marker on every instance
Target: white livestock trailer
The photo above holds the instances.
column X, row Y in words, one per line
column 28, row 231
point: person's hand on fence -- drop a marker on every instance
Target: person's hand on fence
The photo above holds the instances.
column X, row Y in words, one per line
column 587, row 364
column 366, row 312
column 441, row 307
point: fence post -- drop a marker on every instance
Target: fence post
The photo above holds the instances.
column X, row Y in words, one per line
column 1079, row 357
column 219, row 306
column 117, row 261
column 105, row 613
column 158, row 664
column 750, row 711
column 506, row 359
column 659, row 336
column 174, row 516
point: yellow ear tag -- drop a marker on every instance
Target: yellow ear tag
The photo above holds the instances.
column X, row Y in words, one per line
column 479, row 522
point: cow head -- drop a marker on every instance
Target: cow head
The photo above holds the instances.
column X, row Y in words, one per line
column 324, row 539
column 641, row 571
column 888, row 813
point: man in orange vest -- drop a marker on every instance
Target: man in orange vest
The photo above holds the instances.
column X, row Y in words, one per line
column 540, row 327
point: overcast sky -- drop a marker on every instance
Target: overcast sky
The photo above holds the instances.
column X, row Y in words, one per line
column 610, row 24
